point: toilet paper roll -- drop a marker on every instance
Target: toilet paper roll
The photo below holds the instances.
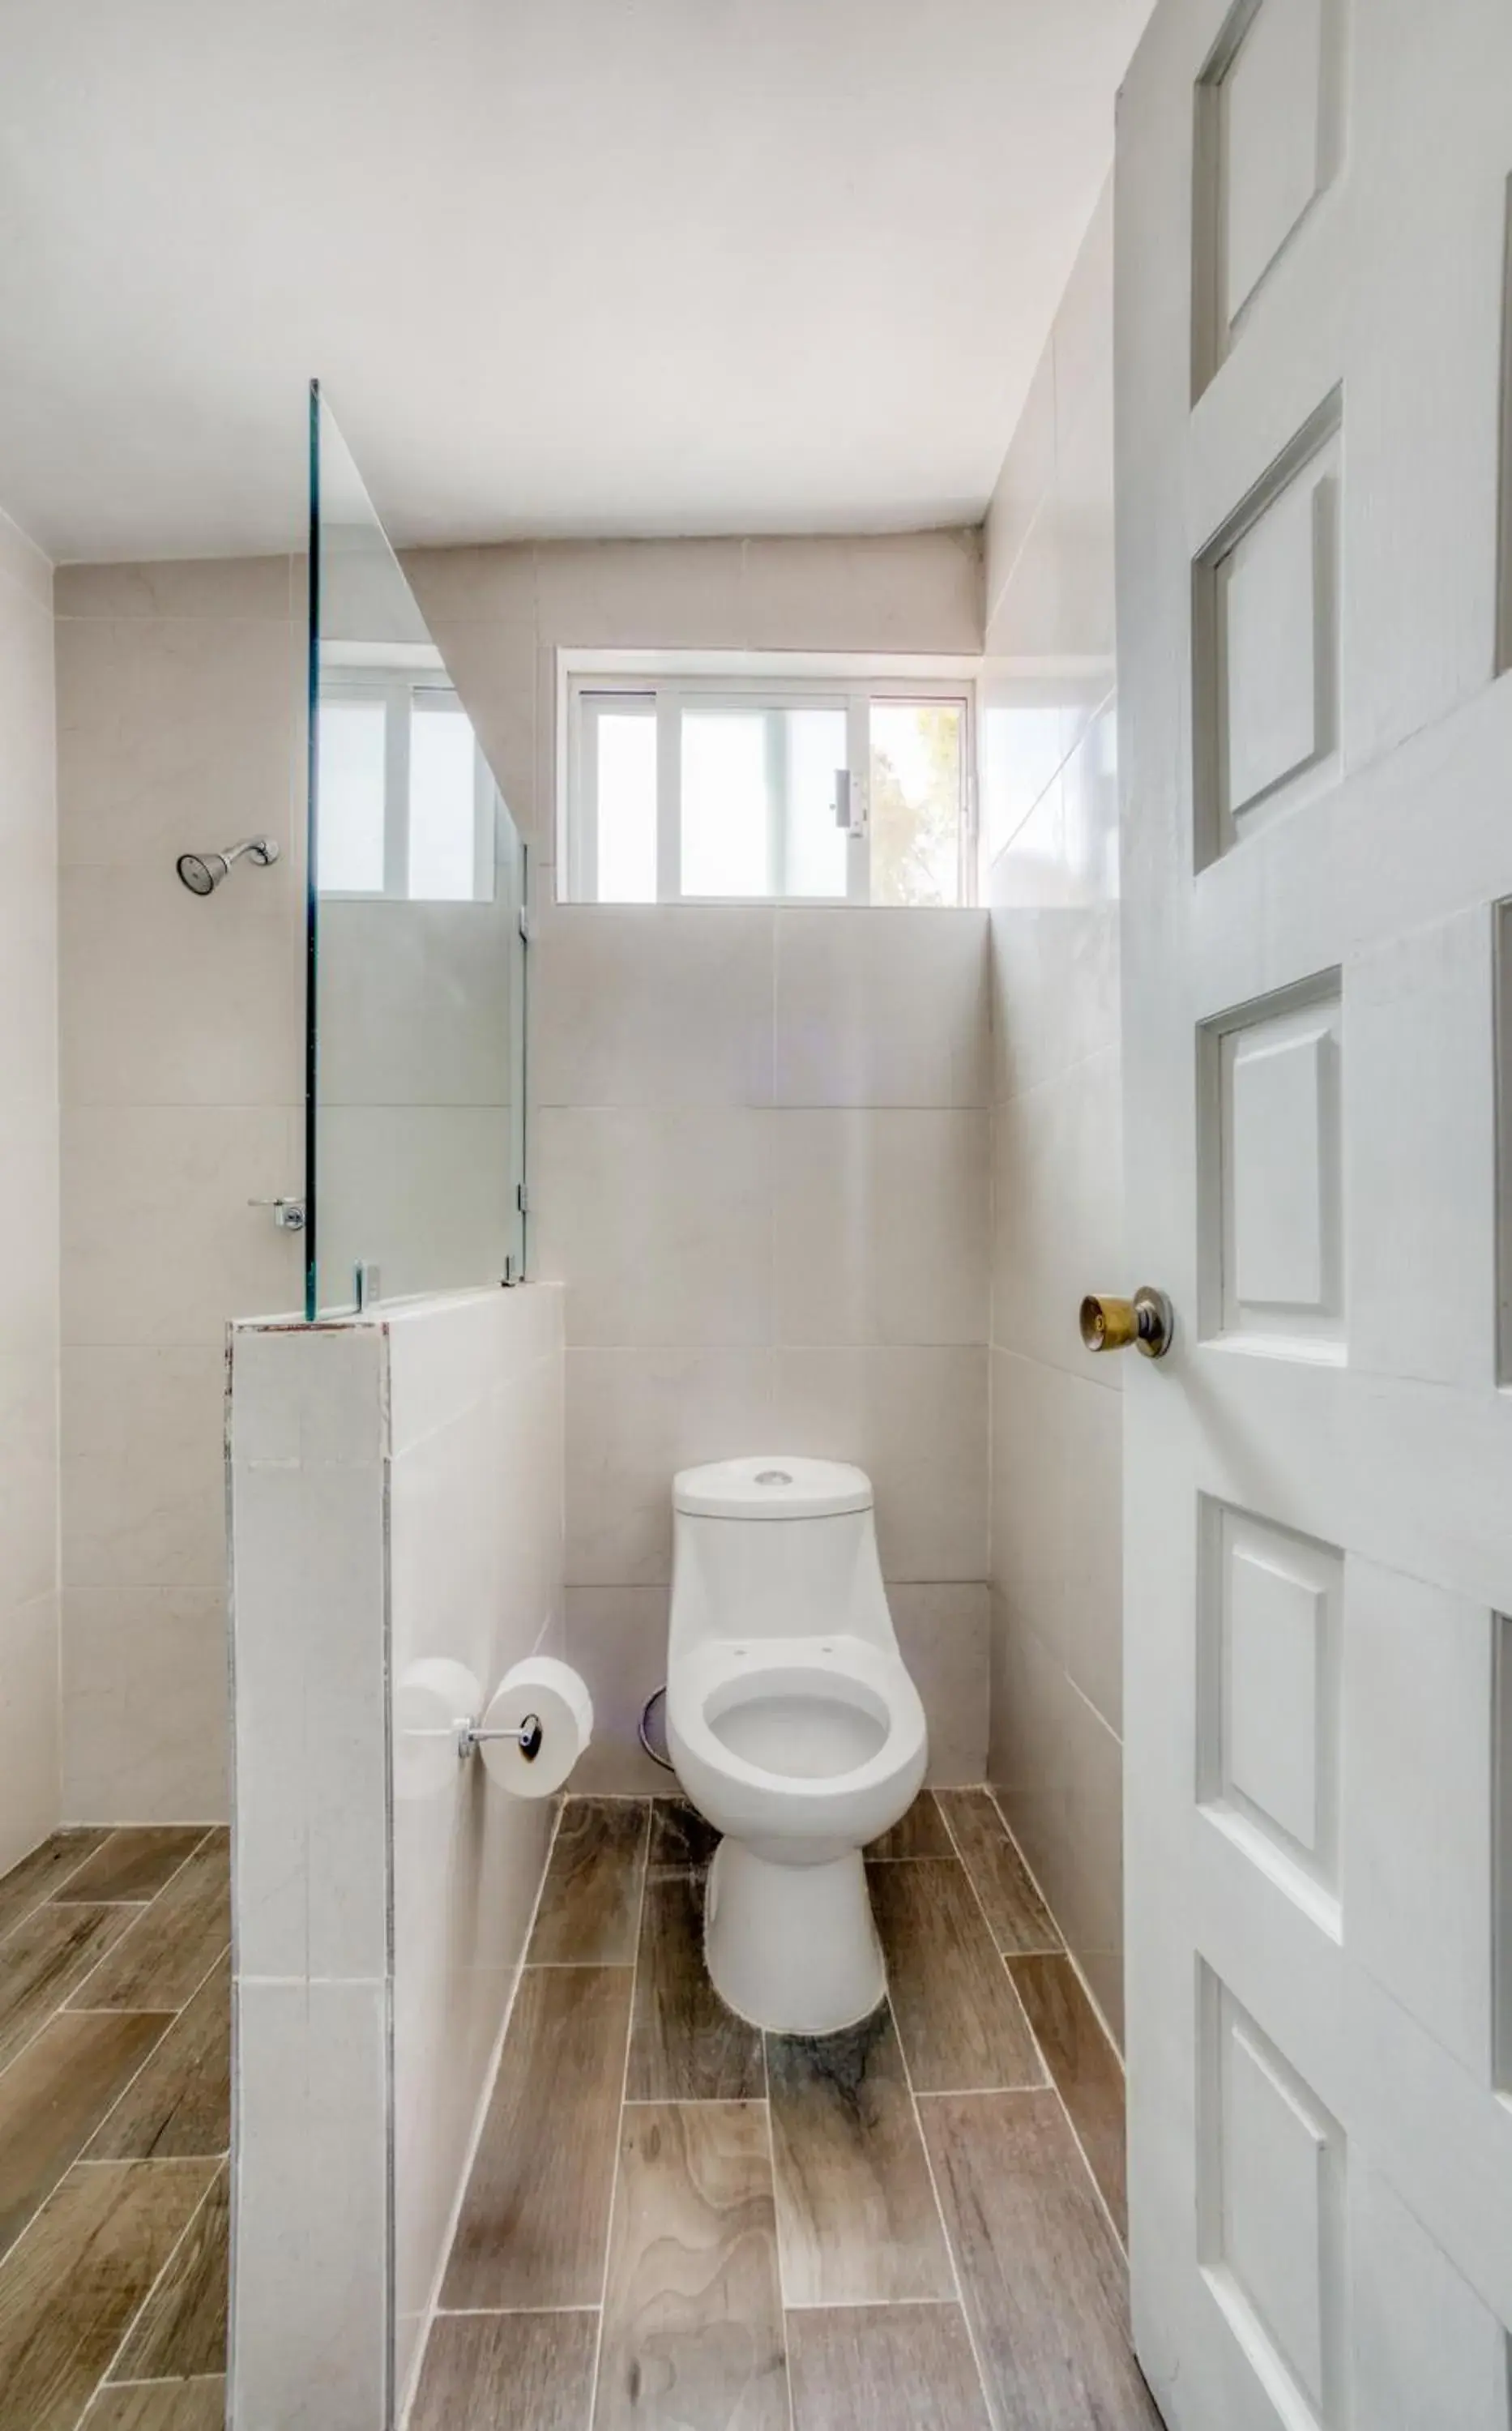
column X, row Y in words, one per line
column 432, row 1699
column 559, row 1698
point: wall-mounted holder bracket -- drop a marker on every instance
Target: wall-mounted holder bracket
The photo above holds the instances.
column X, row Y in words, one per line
column 288, row 1213
column 528, row 1738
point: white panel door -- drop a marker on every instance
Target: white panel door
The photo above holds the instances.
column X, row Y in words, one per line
column 1316, row 747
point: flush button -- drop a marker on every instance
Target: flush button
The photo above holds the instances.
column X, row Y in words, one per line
column 773, row 1477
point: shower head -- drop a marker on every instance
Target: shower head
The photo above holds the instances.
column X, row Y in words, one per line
column 202, row 872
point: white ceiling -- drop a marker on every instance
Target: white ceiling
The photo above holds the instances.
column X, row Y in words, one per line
column 564, row 266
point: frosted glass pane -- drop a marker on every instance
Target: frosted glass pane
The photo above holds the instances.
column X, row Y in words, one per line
column 626, row 807
column 916, row 801
column 350, row 753
column 443, row 806
column 814, row 745
column 726, row 803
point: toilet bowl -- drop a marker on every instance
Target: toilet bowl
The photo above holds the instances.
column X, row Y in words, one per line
column 794, row 1727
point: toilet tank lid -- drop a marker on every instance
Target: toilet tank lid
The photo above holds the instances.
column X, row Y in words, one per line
column 779, row 1485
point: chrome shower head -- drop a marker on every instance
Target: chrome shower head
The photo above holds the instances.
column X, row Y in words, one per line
column 202, row 872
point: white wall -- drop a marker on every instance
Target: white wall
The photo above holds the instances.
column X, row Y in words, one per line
column 1050, row 827
column 29, row 1736
column 182, row 1085
column 758, row 1139
column 396, row 1495
column 180, row 725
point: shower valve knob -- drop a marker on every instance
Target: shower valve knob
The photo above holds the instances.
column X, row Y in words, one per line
column 288, row 1213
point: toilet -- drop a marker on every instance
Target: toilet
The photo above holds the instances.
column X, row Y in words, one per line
column 794, row 1727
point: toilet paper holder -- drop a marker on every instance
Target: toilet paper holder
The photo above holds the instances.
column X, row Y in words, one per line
column 526, row 1738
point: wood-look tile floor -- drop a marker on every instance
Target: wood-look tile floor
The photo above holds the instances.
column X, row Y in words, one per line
column 675, row 2222
column 115, row 2031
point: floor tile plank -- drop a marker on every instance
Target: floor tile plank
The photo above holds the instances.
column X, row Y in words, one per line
column 172, row 1946
column 693, row 2325
column 180, row 2104
column 506, row 2372
column 921, row 1833
column 1041, row 2272
column 534, row 2223
column 1083, row 2067
column 686, row 2045
column 884, row 2367
column 679, row 1834
column 1017, row 1914
column 38, row 1875
column 48, row 1957
column 53, row 2098
column 591, row 1898
column 160, row 2405
column 133, row 1864
column 857, row 2221
column 180, row 2332
column 68, row 2289
column 961, row 2024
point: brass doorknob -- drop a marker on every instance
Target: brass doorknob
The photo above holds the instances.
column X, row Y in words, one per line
column 1147, row 1321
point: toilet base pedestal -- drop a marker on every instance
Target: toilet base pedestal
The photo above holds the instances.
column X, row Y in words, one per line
column 792, row 1948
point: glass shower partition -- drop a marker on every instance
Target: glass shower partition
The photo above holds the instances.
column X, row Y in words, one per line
column 416, row 1000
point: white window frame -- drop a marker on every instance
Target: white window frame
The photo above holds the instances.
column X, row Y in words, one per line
column 401, row 689
column 661, row 684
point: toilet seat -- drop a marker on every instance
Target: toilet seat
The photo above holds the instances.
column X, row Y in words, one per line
column 722, row 1681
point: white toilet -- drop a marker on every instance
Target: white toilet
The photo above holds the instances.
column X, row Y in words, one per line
column 793, row 1726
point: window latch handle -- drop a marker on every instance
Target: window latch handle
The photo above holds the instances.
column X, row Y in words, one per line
column 849, row 803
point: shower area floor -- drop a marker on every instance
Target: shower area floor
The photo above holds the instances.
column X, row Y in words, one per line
column 115, row 2028
column 675, row 2222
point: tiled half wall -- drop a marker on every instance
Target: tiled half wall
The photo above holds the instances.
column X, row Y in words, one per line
column 396, row 1494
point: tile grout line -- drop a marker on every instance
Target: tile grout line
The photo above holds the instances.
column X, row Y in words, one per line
column 982, row 1910
column 619, row 2139
column 162, row 1891
column 221, row 2170
column 47, row 1898
column 776, row 2228
column 939, row 2210
column 433, row 2305
column 173, row 2016
column 1065, row 2111
column 63, row 2008
column 1066, row 1951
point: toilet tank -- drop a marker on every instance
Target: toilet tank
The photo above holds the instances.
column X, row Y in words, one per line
column 775, row 1546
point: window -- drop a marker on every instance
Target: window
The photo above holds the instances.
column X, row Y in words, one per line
column 404, row 797
column 700, row 788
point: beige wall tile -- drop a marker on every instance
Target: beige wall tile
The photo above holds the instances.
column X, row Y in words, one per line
column 634, row 1417
column 144, row 1477
column 661, row 594
column 168, row 999
column 29, row 1473
column 653, row 1005
column 908, row 590
column 616, row 1638
column 173, row 733
column 29, row 1707
column 915, row 1420
column 30, row 1727
column 1056, row 1654
column 159, row 1243
column 881, row 1224
column 658, row 1221
column 942, row 1635
column 882, row 1009
column 261, row 588
column 145, row 1696
column 1024, row 483
column 490, row 585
